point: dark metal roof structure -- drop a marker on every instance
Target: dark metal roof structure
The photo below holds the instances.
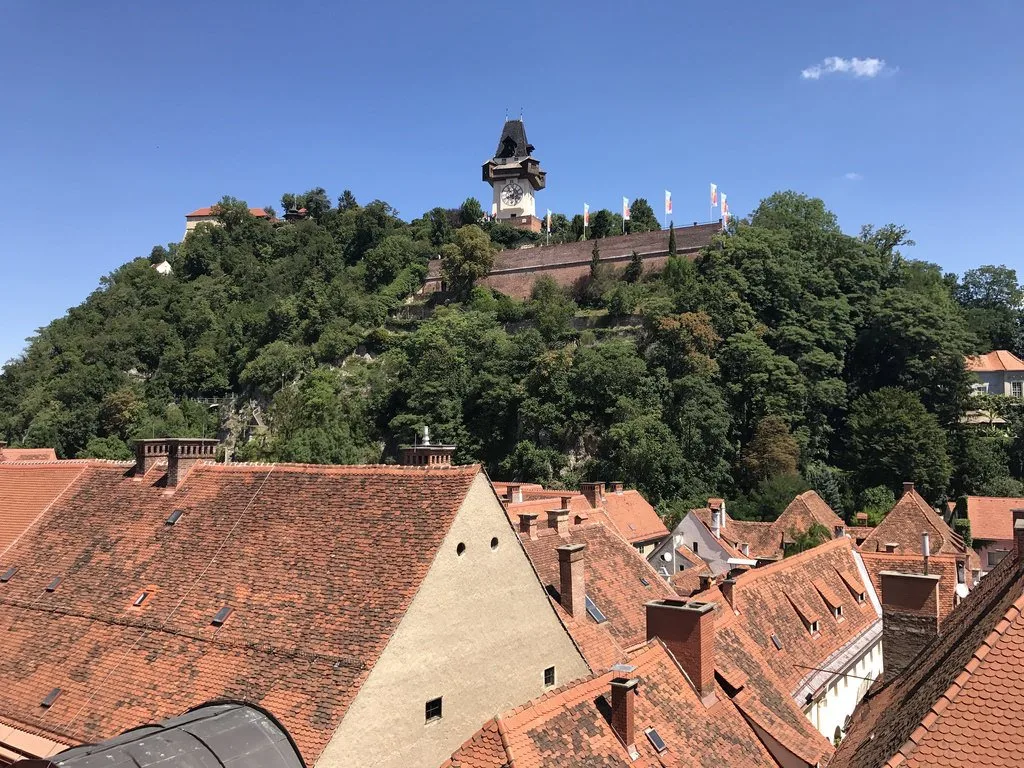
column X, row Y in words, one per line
column 225, row 735
column 513, row 141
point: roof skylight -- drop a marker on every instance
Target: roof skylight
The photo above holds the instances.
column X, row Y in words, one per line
column 656, row 741
column 174, row 517
column 222, row 616
column 595, row 612
column 8, row 574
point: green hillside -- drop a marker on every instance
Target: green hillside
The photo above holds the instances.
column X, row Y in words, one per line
column 789, row 355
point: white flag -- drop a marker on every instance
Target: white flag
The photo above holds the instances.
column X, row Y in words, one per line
column 586, row 215
column 625, row 209
column 494, row 210
column 668, row 202
column 725, row 211
column 714, row 195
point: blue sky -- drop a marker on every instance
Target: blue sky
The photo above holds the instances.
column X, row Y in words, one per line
column 118, row 117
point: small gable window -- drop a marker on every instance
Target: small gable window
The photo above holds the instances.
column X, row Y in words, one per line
column 549, row 677
column 695, row 547
column 434, row 710
column 837, row 611
column 812, row 627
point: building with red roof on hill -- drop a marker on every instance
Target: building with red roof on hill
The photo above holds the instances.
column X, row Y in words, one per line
column 999, row 373
column 209, row 215
column 991, row 520
column 371, row 609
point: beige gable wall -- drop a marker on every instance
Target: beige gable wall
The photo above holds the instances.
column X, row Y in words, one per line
column 479, row 633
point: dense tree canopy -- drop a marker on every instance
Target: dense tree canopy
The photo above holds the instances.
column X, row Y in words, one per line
column 788, row 355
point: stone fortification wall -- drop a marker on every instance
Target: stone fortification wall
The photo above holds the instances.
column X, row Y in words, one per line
column 515, row 271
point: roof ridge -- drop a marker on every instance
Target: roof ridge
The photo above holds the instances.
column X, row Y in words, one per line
column 341, row 469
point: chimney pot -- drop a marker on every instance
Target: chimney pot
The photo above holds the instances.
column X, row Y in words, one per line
column 910, row 617
column 528, row 524
column 615, row 487
column 716, row 522
column 925, row 550
column 558, row 520
column 514, row 493
column 688, row 630
column 624, row 690
column 862, row 518
column 908, row 487
column 571, row 589
column 148, row 453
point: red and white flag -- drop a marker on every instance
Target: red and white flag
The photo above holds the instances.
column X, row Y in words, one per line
column 586, row 214
column 668, row 202
column 714, row 195
column 549, row 221
column 625, row 209
column 494, row 210
column 725, row 211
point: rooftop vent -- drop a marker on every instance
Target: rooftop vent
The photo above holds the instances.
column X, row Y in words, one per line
column 222, row 616
column 8, row 574
column 50, row 698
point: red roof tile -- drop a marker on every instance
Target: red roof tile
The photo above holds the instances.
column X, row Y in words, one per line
column 992, row 517
column 570, row 726
column 614, row 575
column 908, row 519
column 318, row 563
column 999, row 360
column 27, row 454
column 772, row 599
column 27, row 491
column 960, row 702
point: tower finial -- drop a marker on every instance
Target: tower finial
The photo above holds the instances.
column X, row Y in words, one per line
column 506, row 114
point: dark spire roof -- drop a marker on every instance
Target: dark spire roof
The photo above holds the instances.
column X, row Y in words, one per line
column 513, row 141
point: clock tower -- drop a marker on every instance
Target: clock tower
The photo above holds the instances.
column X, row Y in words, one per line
column 515, row 177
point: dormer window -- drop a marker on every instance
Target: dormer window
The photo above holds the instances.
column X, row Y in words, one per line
column 860, row 597
column 837, row 612
column 812, row 627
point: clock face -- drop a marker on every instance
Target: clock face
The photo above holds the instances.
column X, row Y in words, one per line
column 511, row 194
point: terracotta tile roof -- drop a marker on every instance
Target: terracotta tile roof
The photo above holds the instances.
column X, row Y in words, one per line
column 944, row 566
column 627, row 511
column 570, row 726
column 634, row 518
column 727, row 539
column 999, row 360
column 318, row 563
column 992, row 517
column 208, row 211
column 859, row 532
column 27, row 491
column 960, row 702
column 27, row 454
column 904, row 524
column 614, row 576
column 772, row 599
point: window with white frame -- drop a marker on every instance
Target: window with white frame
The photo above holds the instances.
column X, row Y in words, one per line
column 1017, row 388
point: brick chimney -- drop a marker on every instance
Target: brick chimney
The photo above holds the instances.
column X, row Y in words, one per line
column 514, row 493
column 571, row 588
column 148, row 453
column 861, row 518
column 624, row 691
column 558, row 520
column 716, row 522
column 908, row 487
column 688, row 630
column 1018, row 532
column 185, row 452
column 728, row 588
column 910, row 617
column 528, row 524
column 615, row 487
column 594, row 493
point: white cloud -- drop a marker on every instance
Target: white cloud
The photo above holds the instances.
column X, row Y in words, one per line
column 853, row 176
column 855, row 67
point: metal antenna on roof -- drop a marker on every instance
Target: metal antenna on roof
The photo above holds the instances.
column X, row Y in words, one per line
column 506, row 114
column 520, row 114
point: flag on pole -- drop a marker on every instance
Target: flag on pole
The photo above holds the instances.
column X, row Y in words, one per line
column 714, row 195
column 625, row 209
column 725, row 211
column 549, row 221
column 494, row 210
column 586, row 215
column 668, row 202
